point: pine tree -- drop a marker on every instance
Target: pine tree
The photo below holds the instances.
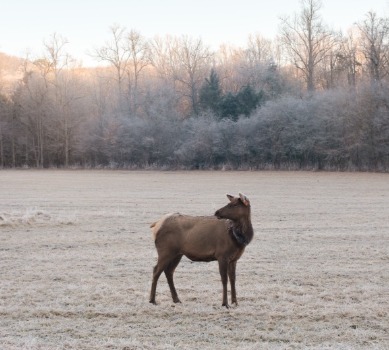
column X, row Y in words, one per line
column 248, row 100
column 230, row 107
column 211, row 94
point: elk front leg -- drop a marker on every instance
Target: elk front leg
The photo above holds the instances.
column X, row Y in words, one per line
column 223, row 269
column 231, row 275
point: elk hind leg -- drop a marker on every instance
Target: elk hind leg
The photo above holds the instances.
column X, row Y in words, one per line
column 169, row 271
column 158, row 269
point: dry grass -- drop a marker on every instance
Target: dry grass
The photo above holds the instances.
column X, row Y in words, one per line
column 76, row 259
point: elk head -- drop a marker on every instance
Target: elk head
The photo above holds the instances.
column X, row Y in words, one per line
column 238, row 208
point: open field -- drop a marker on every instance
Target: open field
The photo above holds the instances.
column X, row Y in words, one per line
column 76, row 258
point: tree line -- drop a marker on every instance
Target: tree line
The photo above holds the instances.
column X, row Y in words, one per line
column 312, row 99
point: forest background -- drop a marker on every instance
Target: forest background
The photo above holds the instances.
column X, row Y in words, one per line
column 312, row 98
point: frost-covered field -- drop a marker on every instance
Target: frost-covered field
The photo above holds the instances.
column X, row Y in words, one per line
column 76, row 258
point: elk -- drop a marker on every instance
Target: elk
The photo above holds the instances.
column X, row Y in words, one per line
column 222, row 237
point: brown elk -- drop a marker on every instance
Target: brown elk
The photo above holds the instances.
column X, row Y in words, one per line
column 222, row 237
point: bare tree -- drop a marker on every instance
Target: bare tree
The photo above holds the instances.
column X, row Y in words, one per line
column 329, row 69
column 350, row 59
column 47, row 96
column 259, row 50
column 116, row 53
column 193, row 58
column 306, row 39
column 4, row 127
column 185, row 62
column 229, row 59
column 64, row 92
column 162, row 57
column 33, row 107
column 139, row 58
column 128, row 54
column 260, row 65
column 55, row 55
column 374, row 43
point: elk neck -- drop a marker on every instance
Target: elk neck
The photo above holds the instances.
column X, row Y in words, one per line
column 242, row 231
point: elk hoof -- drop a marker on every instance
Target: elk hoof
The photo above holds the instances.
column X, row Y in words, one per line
column 177, row 301
column 226, row 305
column 153, row 302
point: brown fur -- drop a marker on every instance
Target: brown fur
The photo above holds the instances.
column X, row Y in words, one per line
column 222, row 237
column 155, row 226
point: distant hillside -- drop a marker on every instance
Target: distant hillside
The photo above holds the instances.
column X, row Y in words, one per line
column 10, row 72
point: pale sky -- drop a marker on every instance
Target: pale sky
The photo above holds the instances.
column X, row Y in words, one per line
column 25, row 24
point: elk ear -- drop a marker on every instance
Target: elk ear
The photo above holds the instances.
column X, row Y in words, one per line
column 230, row 197
column 244, row 199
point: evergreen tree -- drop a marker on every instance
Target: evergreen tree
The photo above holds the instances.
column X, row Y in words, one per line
column 243, row 103
column 248, row 100
column 230, row 107
column 211, row 94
